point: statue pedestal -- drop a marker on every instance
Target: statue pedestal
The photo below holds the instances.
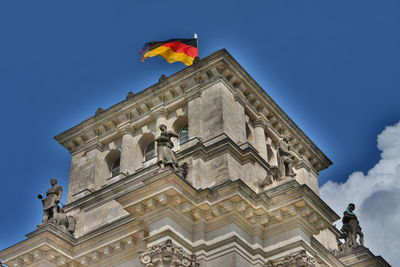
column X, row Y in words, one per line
column 360, row 257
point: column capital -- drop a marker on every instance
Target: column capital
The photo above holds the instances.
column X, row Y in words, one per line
column 162, row 112
column 126, row 129
column 260, row 122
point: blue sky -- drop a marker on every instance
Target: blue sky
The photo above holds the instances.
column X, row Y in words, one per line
column 333, row 67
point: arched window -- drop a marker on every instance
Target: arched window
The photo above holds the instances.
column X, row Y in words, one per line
column 115, row 167
column 113, row 159
column 183, row 135
column 180, row 126
column 149, row 151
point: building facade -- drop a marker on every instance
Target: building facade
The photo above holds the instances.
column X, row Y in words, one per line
column 244, row 191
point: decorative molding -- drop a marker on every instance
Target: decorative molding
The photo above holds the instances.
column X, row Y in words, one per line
column 59, row 257
column 167, row 254
column 299, row 259
column 173, row 193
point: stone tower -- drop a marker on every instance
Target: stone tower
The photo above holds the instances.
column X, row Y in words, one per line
column 245, row 192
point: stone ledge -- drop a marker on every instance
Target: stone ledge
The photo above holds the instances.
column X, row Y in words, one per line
column 236, row 197
column 359, row 257
column 48, row 245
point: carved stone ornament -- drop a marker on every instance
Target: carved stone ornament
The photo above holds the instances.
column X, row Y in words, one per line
column 130, row 95
column 162, row 78
column 183, row 169
column 167, row 254
column 99, row 111
column 299, row 259
column 196, row 60
column 272, row 176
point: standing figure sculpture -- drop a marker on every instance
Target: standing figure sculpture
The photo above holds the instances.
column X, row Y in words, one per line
column 52, row 213
column 351, row 228
column 165, row 155
column 285, row 159
column 50, row 203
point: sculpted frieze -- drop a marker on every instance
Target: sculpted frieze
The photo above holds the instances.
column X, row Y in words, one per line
column 167, row 254
column 299, row 259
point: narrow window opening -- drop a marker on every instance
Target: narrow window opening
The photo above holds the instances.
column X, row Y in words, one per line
column 115, row 169
column 183, row 135
column 149, row 151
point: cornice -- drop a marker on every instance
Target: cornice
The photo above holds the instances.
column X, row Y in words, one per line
column 231, row 197
column 219, row 65
column 49, row 244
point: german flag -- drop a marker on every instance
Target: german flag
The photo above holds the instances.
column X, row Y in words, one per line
column 184, row 50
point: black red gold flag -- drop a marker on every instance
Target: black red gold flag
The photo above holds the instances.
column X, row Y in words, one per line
column 184, row 50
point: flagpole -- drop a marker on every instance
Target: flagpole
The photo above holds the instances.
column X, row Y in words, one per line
column 197, row 43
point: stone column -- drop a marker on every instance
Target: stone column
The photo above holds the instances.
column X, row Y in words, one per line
column 127, row 163
column 259, row 139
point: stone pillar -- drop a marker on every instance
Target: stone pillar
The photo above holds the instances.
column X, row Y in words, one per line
column 194, row 115
column 240, row 119
column 259, row 139
column 88, row 171
column 127, row 163
column 220, row 113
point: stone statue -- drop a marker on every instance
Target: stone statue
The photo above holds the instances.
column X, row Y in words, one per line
column 65, row 222
column 165, row 155
column 272, row 176
column 285, row 159
column 351, row 228
column 52, row 213
column 50, row 203
column 183, row 169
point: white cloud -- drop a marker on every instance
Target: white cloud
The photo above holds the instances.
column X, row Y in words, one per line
column 377, row 197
